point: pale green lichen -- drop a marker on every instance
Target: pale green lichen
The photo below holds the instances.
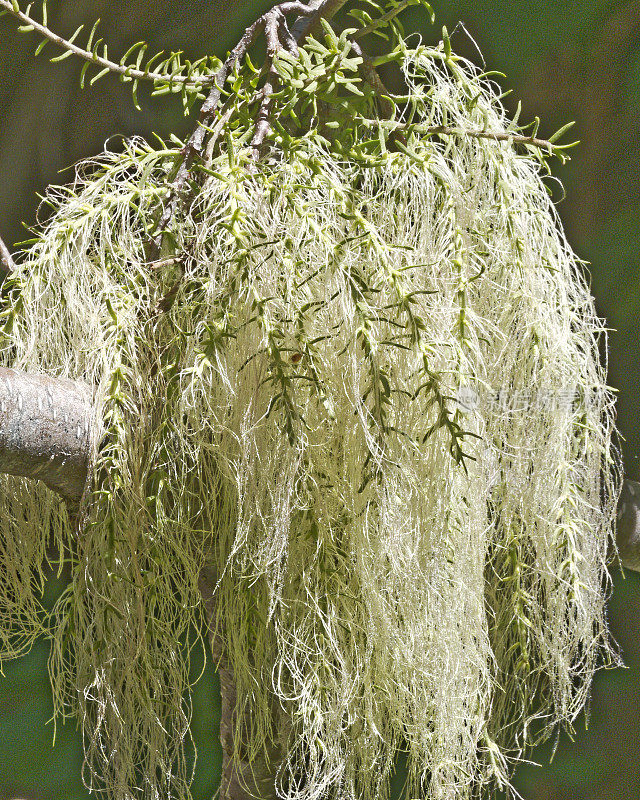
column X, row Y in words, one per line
column 277, row 395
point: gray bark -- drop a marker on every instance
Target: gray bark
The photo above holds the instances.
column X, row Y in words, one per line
column 46, row 427
column 628, row 530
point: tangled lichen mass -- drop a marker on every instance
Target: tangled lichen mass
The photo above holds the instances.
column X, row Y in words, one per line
column 276, row 396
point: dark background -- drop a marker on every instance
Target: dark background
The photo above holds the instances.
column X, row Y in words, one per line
column 566, row 61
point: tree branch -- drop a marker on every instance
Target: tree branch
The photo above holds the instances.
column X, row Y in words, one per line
column 628, row 529
column 263, row 120
column 383, row 20
column 308, row 20
column 46, row 428
column 370, row 74
column 497, row 136
column 6, row 259
column 92, row 57
column 319, row 9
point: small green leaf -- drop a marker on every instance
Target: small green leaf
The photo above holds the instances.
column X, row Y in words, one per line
column 83, row 73
column 351, row 87
column 561, row 132
column 97, row 77
column 330, row 34
column 131, row 50
column 61, row 57
column 446, row 41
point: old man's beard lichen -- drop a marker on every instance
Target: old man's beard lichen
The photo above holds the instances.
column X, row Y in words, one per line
column 396, row 573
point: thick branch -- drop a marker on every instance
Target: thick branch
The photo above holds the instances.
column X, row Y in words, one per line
column 45, row 430
column 628, row 530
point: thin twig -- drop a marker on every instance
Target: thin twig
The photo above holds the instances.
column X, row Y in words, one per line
column 372, row 77
column 263, row 119
column 216, row 130
column 6, row 259
column 370, row 74
column 195, row 143
column 288, row 38
column 276, row 27
column 94, row 58
column 498, row 136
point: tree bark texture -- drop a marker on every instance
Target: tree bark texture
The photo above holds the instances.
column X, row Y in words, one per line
column 46, row 427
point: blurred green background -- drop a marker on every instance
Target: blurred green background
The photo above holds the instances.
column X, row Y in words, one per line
column 565, row 61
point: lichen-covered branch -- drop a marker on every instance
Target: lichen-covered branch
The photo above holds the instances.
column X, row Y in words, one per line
column 446, row 130
column 263, row 120
column 46, row 430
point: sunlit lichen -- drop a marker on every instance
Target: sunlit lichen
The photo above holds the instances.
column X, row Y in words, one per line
column 277, row 396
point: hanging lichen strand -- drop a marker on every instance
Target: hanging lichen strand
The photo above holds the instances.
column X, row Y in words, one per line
column 397, row 574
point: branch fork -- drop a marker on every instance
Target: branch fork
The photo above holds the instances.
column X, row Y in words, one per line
column 273, row 24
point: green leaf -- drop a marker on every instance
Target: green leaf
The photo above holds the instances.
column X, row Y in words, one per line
column 561, row 132
column 129, row 52
column 330, row 35
column 61, row 57
column 100, row 74
column 351, row 87
column 83, row 73
column 446, row 42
